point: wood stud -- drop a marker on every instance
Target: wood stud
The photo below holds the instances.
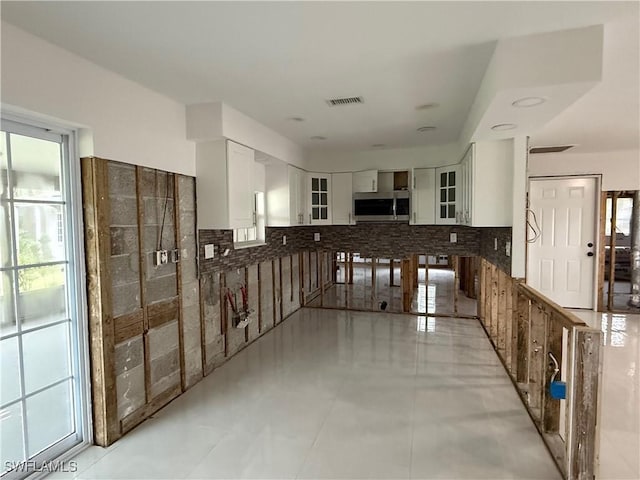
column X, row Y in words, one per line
column 537, row 326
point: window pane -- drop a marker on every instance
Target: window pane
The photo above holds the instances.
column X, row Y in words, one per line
column 324, row 199
column 443, row 179
column 11, row 435
column 314, row 184
column 323, row 213
column 323, row 184
column 443, row 211
column 452, row 179
column 49, row 417
column 452, row 194
column 9, row 369
column 46, row 356
column 315, row 213
column 315, row 198
column 35, row 166
column 452, row 211
column 38, row 230
column 41, row 297
column 443, row 195
column 7, row 312
column 623, row 216
column 4, row 174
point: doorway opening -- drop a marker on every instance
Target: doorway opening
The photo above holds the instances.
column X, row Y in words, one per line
column 619, row 236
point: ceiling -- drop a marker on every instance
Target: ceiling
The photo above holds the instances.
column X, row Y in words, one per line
column 278, row 60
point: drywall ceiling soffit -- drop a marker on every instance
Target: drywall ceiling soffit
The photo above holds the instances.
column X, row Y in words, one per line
column 557, row 67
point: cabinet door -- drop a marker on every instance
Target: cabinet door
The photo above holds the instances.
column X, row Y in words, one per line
column 424, row 196
column 447, row 201
column 319, row 196
column 466, row 182
column 365, row 181
column 297, row 196
column 240, row 163
column 341, row 198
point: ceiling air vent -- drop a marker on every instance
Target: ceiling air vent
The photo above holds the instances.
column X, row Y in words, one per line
column 334, row 102
column 558, row 149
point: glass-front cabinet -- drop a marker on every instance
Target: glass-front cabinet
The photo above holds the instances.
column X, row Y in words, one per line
column 319, row 198
column 447, row 202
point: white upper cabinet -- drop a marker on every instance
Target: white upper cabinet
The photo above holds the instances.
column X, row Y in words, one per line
column 240, row 166
column 342, row 198
column 447, row 198
column 225, row 187
column 423, row 201
column 297, row 196
column 365, row 181
column 319, row 198
column 489, row 166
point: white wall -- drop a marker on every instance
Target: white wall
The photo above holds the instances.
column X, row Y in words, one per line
column 128, row 122
column 620, row 169
column 384, row 159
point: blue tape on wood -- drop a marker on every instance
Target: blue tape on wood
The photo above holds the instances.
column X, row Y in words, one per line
column 558, row 390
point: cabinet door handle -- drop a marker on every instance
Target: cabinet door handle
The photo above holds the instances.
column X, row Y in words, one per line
column 309, row 219
column 349, row 218
column 414, row 217
column 254, row 219
column 373, row 185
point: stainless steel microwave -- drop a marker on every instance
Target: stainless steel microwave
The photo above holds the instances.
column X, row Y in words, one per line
column 382, row 206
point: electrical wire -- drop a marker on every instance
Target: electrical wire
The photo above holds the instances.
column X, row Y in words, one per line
column 164, row 213
column 537, row 231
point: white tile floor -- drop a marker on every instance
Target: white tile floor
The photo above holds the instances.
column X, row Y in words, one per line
column 620, row 408
column 334, row 394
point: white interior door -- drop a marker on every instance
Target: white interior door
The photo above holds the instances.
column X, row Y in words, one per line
column 561, row 260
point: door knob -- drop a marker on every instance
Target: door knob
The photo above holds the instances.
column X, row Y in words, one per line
column 590, row 254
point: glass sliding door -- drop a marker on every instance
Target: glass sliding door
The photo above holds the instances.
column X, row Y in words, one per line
column 42, row 347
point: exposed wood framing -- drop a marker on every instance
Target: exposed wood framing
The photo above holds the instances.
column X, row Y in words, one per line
column 259, row 300
column 585, row 407
column 148, row 409
column 246, row 286
column 456, row 281
column 96, row 205
column 551, row 407
column 163, row 312
column 128, row 326
column 612, row 250
column 601, row 250
column 178, row 243
column 407, row 284
column 142, row 270
column 537, row 326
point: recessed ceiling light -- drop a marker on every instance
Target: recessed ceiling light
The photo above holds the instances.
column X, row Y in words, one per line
column 528, row 102
column 427, row 106
column 501, row 127
column 318, row 137
column 378, row 145
column 426, row 129
column 296, row 119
